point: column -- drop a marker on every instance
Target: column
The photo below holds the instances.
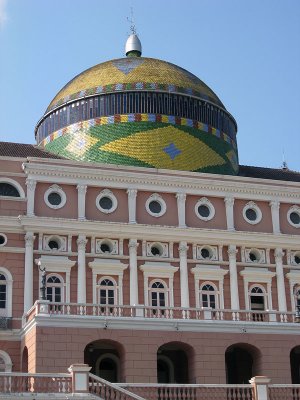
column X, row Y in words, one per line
column 275, row 205
column 81, row 279
column 181, row 197
column 81, row 201
column 28, row 278
column 132, row 193
column 280, row 280
column 234, row 293
column 229, row 202
column 31, row 185
column 184, row 285
column 133, row 286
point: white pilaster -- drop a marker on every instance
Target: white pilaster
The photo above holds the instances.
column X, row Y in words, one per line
column 81, row 201
column 234, row 293
column 28, row 278
column 81, row 280
column 275, row 205
column 280, row 280
column 181, row 197
column 132, row 193
column 31, row 185
column 184, row 286
column 133, row 285
column 229, row 202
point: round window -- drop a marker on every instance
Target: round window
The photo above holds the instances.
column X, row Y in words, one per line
column 155, row 251
column 105, row 203
column 252, row 213
column 204, row 211
column 53, row 244
column 54, row 199
column 2, row 240
column 105, row 248
column 297, row 259
column 252, row 256
column 155, row 207
column 295, row 218
column 205, row 253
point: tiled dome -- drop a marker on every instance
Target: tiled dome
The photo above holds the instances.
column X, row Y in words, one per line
column 141, row 112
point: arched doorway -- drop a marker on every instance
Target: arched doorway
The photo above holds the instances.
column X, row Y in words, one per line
column 295, row 364
column 25, row 360
column 173, row 361
column 105, row 359
column 242, row 363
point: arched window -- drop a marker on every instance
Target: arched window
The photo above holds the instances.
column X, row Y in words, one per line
column 5, row 294
column 258, row 300
column 5, row 362
column 107, row 292
column 6, row 189
column 158, row 294
column 209, row 296
column 54, row 289
column 297, row 296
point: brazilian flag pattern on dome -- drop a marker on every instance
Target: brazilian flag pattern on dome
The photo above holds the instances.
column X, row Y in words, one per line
column 147, row 140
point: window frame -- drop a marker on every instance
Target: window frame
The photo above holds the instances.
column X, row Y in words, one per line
column 254, row 206
column 55, row 189
column 107, row 193
column 205, row 202
column 16, row 185
column 215, row 292
column 156, row 197
column 293, row 209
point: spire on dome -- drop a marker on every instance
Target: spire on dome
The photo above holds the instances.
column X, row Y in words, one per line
column 133, row 47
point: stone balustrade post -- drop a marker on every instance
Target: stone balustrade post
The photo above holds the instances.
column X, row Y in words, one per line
column 260, row 386
column 80, row 377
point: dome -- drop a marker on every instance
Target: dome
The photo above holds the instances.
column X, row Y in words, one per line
column 140, row 111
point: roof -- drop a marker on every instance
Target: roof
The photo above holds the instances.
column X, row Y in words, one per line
column 283, row 174
column 9, row 149
column 134, row 73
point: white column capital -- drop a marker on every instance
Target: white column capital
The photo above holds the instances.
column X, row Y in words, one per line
column 132, row 193
column 81, row 242
column 29, row 239
column 31, row 184
column 275, row 204
column 133, row 244
column 81, row 188
column 279, row 253
column 229, row 201
column 183, row 248
column 232, row 251
column 181, row 197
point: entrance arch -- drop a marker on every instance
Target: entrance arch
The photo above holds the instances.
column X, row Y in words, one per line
column 295, row 364
column 104, row 356
column 242, row 363
column 173, row 363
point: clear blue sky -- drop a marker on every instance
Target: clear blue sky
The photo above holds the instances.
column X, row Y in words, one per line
column 248, row 52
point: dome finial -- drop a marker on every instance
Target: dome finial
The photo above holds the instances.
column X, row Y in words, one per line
column 133, row 47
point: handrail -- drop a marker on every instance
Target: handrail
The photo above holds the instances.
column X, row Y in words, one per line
column 102, row 388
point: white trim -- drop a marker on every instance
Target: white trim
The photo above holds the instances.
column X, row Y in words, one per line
column 213, row 253
column 9, row 291
column 16, row 185
column 293, row 209
column 112, row 244
column 156, row 197
column 254, row 206
column 62, row 285
column 5, row 239
column 107, row 193
column 61, row 241
column 55, row 189
column 205, row 202
column 7, row 361
column 108, row 267
column 162, row 247
column 56, row 264
column 165, row 290
column 258, row 253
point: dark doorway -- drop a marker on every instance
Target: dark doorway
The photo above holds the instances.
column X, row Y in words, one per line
column 172, row 364
column 295, row 364
column 239, row 365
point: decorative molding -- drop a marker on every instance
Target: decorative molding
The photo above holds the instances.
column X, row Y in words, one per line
column 55, row 189
column 205, row 202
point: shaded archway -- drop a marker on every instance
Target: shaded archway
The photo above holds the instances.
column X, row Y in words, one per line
column 25, row 360
column 174, row 361
column 295, row 364
column 104, row 356
column 242, row 363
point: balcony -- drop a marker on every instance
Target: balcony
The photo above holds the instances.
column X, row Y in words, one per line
column 164, row 316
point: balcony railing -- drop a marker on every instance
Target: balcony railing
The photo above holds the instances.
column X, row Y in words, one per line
column 158, row 313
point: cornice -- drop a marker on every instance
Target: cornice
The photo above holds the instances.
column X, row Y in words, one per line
column 165, row 181
column 155, row 233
